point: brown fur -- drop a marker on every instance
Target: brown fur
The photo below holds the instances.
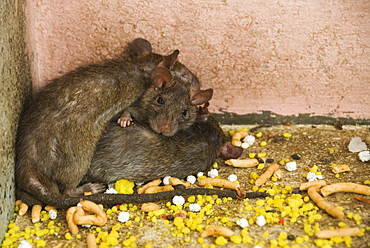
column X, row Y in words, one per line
column 59, row 131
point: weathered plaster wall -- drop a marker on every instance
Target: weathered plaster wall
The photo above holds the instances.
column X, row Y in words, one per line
column 14, row 85
column 289, row 57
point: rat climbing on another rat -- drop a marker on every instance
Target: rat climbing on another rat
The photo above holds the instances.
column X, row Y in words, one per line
column 58, row 132
column 166, row 111
column 140, row 155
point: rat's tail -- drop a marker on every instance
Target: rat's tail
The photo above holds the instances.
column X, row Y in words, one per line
column 64, row 202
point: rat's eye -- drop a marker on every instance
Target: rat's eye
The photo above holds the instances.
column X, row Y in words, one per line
column 185, row 112
column 160, row 101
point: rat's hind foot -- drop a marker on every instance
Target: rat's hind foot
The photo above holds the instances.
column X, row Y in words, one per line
column 92, row 188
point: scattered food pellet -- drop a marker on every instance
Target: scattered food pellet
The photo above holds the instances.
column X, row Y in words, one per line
column 111, row 191
column 242, row 222
column 287, row 135
column 213, row 173
column 291, row 166
column 200, row 174
column 166, row 180
column 24, row 244
column 52, row 214
column 296, row 156
column 178, row 200
column 312, row 176
column 194, row 207
column 364, row 156
column 123, row 217
column 249, row 139
column 357, row 145
column 191, row 179
column 340, row 168
column 232, row 178
column 261, row 220
column 149, row 207
column 124, row 186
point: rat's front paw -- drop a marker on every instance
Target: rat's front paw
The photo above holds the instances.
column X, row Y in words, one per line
column 124, row 121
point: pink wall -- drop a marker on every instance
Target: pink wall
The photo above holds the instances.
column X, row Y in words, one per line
column 289, row 57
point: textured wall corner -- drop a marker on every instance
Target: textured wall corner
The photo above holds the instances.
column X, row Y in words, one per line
column 14, row 86
column 284, row 57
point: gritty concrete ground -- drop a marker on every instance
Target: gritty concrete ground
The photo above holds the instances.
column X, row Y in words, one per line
column 292, row 219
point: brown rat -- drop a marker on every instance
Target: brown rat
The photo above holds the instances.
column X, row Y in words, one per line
column 166, row 111
column 59, row 131
column 138, row 154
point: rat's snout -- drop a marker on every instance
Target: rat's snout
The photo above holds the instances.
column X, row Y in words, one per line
column 165, row 126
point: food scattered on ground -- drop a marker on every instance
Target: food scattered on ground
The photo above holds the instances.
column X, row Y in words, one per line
column 343, row 232
column 340, row 168
column 266, row 175
column 217, row 231
column 155, row 182
column 288, row 217
column 35, row 214
column 307, row 185
column 218, row 182
column 313, row 193
column 149, row 207
column 244, row 163
column 236, row 138
column 345, row 187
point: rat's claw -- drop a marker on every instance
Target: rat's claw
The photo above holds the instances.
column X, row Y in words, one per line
column 124, row 122
column 241, row 194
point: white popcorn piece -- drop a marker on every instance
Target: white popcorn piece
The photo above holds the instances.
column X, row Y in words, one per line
column 249, row 139
column 24, row 244
column 200, row 174
column 245, row 145
column 319, row 177
column 311, row 176
column 261, row 220
column 123, row 217
column 291, row 166
column 213, row 173
column 191, row 179
column 357, row 145
column 111, row 191
column 178, row 200
column 52, row 214
column 166, row 180
column 243, row 222
column 364, row 156
column 232, row 178
column 194, row 207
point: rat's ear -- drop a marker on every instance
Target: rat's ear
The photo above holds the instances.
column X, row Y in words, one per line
column 201, row 96
column 161, row 77
column 139, row 47
column 169, row 60
column 228, row 151
column 203, row 112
